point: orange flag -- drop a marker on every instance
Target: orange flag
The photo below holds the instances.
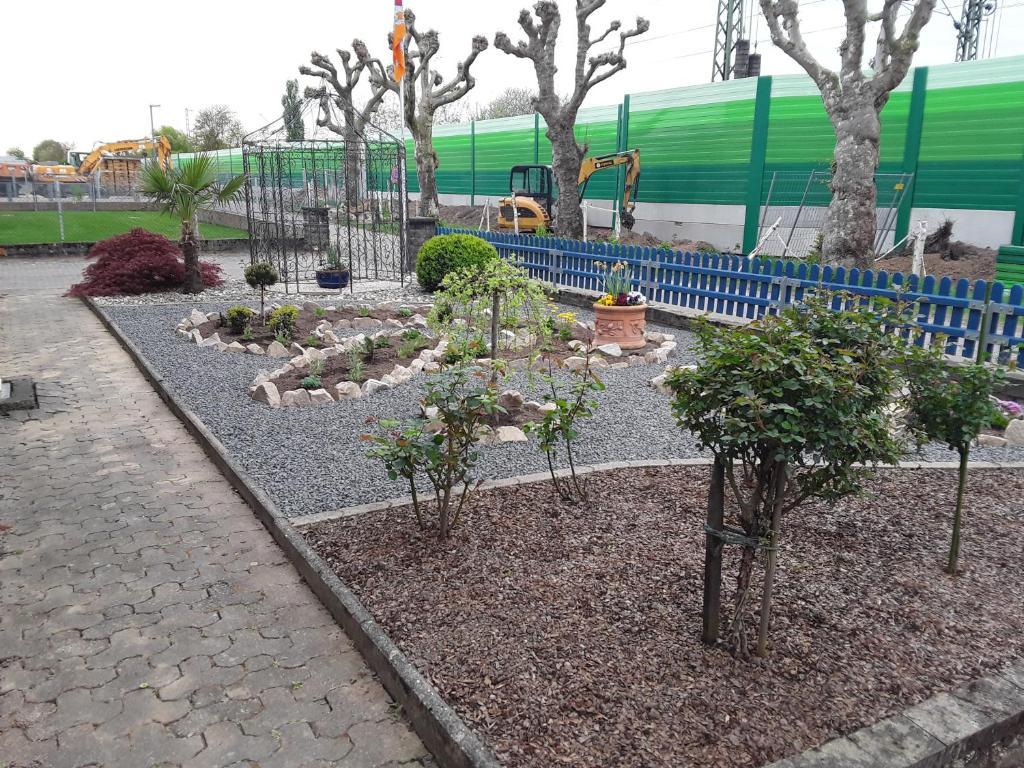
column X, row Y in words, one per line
column 397, row 50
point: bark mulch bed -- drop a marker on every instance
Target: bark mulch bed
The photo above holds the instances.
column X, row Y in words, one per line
column 570, row 636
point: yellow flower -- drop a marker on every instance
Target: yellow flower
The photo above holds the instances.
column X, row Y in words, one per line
column 568, row 317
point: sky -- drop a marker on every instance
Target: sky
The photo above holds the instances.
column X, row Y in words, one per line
column 105, row 68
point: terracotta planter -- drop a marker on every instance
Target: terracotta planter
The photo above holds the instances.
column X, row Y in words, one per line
column 620, row 325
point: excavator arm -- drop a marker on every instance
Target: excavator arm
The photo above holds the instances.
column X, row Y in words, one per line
column 160, row 143
column 629, row 158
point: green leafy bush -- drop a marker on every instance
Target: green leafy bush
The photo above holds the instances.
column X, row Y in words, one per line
column 313, row 380
column 239, row 317
column 261, row 275
column 282, row 321
column 792, row 407
column 444, row 254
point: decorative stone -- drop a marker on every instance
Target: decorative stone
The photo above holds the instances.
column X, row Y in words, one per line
column 195, row 317
column 388, row 380
column 668, row 345
column 1014, row 433
column 661, row 355
column 310, row 306
column 598, row 362
column 330, row 338
column 433, row 427
column 296, row 348
column 577, row 346
column 220, row 346
column 582, row 331
column 329, row 352
column 342, row 325
column 320, row 397
column 430, row 412
column 623, row 364
column 277, row 349
column 366, row 323
column 510, row 435
column 261, row 377
column 427, row 355
column 431, row 367
column 393, row 323
column 992, row 440
column 575, row 363
column 548, row 408
column 323, row 326
column 348, row 390
column 294, row 398
column 211, row 341
column 612, row 349
column 234, row 346
column 417, row 321
column 299, row 361
column 212, row 315
column 266, row 392
column 401, row 374
column 654, row 337
column 372, row 385
column 532, row 405
column 255, row 349
column 313, row 355
column 510, row 398
column 196, row 336
column 635, row 360
column 416, row 365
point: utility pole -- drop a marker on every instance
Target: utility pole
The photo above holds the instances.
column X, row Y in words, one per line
column 188, row 133
column 152, row 128
column 968, row 29
column 728, row 32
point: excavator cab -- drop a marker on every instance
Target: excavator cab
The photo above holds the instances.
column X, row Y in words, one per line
column 531, row 187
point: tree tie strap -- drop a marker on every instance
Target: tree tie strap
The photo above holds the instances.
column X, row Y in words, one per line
column 738, row 537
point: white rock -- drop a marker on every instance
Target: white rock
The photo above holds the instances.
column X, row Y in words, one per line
column 212, row 315
column 255, row 349
column 211, row 341
column 418, row 321
column 416, row 365
column 511, row 398
column 577, row 346
column 277, row 350
column 532, row 405
column 582, row 331
column 195, row 317
column 330, row 337
column 372, row 385
column 296, row 348
column 330, row 309
column 273, row 306
column 393, row 323
column 548, row 408
column 320, row 397
column 668, row 337
column 342, row 325
column 623, row 364
column 635, row 360
column 313, row 355
column 431, row 367
column 427, row 355
column 401, row 374
column 234, row 346
column 310, row 306
column 654, row 337
column 433, row 427
column 323, row 326
column 266, row 392
column 388, row 380
column 294, row 398
column 261, row 377
column 366, row 323
column 430, row 412
column 668, row 345
column 329, row 352
column 510, row 435
column 1014, row 433
column 661, row 355
column 299, row 361
column 598, row 362
column 612, row 350
column 992, row 440
column 197, row 337
column 348, row 390
column 220, row 346
column 575, row 363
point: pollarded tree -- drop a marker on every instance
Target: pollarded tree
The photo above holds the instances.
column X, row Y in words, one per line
column 342, row 92
column 854, row 100
column 560, row 113
column 426, row 93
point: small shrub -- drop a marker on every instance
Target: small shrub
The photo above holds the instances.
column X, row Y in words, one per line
column 239, row 317
column 261, row 275
column 405, row 312
column 412, row 342
column 247, row 334
column 541, row 231
column 363, row 311
column 313, row 341
column 138, row 262
column 313, row 380
column 282, row 321
column 356, row 368
column 665, row 245
column 282, row 338
column 445, row 254
column 320, row 312
column 999, row 420
column 464, row 402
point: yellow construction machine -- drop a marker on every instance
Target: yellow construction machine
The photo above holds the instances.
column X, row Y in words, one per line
column 109, row 158
column 531, row 190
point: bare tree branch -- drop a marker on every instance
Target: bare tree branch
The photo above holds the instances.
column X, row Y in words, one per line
column 784, row 27
column 900, row 50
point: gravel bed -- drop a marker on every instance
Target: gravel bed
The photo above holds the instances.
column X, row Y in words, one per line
column 311, row 460
column 569, row 635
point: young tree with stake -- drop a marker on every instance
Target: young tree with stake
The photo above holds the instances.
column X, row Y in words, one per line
column 560, row 113
column 853, row 100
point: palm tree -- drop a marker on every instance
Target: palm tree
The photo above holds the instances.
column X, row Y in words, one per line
column 182, row 192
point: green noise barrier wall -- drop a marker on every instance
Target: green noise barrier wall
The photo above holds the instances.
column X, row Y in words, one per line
column 958, row 129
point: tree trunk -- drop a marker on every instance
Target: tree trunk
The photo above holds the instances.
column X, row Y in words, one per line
column 713, row 555
column 954, row 544
column 566, row 157
column 426, row 169
column 848, row 237
column 780, row 483
column 190, row 252
column 353, row 144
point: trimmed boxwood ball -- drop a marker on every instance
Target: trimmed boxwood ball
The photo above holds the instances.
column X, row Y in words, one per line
column 447, row 253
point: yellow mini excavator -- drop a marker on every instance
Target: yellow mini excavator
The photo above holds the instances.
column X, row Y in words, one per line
column 110, row 158
column 531, row 190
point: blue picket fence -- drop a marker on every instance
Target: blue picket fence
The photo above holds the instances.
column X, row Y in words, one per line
column 744, row 289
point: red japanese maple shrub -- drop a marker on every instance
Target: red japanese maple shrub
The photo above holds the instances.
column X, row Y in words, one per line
column 138, row 262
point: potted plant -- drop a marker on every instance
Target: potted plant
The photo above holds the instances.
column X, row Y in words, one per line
column 620, row 313
column 336, row 274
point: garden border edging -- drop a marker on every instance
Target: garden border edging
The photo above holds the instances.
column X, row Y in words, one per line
column 452, row 743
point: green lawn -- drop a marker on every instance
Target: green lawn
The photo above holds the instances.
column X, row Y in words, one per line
column 22, row 227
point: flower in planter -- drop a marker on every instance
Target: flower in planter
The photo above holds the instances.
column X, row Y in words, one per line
column 618, row 286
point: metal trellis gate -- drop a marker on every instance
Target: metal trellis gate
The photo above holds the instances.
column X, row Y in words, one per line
column 325, row 202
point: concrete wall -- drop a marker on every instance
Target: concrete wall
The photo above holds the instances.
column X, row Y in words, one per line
column 988, row 229
column 224, row 219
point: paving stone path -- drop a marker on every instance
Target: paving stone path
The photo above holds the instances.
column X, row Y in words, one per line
column 146, row 617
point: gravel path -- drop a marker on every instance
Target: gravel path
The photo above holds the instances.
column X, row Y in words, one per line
column 311, row 459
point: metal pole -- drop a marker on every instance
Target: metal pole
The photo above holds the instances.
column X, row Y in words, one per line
column 799, row 210
column 60, row 213
column 152, row 127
